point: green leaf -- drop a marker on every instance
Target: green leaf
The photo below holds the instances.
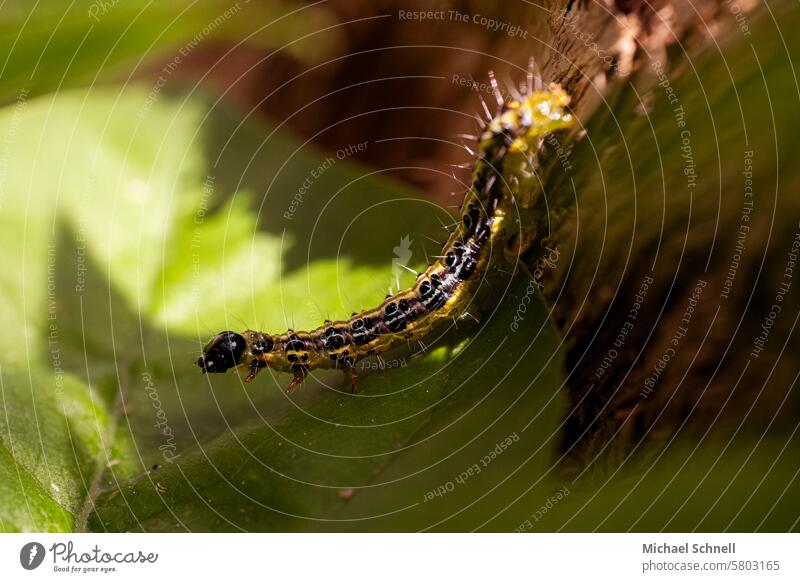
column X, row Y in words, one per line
column 139, row 227
column 371, row 461
column 142, row 235
column 55, row 44
column 742, row 484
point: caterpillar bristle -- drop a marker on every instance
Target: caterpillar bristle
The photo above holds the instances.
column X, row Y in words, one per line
column 529, row 76
column 486, row 111
column 409, row 269
column 498, row 96
column 512, row 90
column 489, row 183
column 534, row 77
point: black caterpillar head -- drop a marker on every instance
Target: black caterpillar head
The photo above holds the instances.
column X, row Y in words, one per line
column 223, row 352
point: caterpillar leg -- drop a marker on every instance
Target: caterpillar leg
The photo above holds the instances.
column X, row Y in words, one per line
column 254, row 369
column 351, row 373
column 299, row 375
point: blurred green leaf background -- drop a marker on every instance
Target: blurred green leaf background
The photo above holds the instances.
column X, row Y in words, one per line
column 140, row 215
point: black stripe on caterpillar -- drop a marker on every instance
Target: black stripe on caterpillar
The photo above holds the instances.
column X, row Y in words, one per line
column 504, row 148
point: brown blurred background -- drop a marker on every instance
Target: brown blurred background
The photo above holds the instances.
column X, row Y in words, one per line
column 623, row 213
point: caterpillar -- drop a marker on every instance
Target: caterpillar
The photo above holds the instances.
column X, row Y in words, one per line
column 504, row 148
